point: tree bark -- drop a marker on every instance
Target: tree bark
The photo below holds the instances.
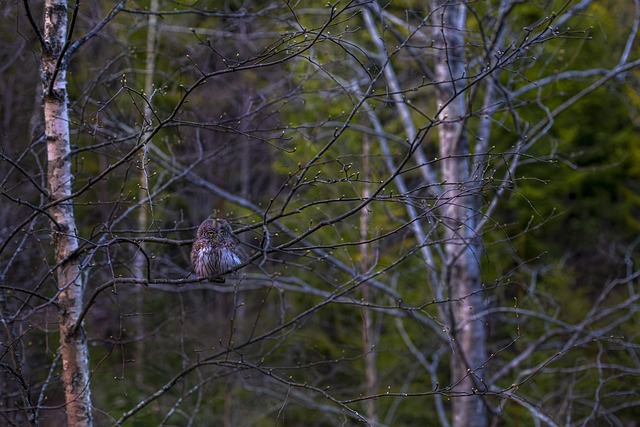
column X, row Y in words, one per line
column 463, row 250
column 73, row 342
column 144, row 193
column 368, row 327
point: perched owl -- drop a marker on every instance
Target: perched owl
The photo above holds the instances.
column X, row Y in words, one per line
column 215, row 250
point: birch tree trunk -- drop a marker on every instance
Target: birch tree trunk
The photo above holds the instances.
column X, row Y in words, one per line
column 73, row 343
column 463, row 250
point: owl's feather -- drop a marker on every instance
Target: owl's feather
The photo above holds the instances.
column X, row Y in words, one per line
column 215, row 251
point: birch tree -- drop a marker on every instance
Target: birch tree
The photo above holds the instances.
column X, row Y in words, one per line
column 461, row 275
column 69, row 280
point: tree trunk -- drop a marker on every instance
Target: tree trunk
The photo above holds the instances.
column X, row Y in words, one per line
column 368, row 327
column 140, row 261
column 462, row 250
column 73, row 342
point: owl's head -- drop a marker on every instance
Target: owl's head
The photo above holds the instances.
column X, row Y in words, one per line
column 214, row 227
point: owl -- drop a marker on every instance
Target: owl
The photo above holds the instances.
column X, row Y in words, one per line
column 215, row 250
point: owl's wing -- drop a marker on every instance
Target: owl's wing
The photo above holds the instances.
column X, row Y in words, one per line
column 239, row 250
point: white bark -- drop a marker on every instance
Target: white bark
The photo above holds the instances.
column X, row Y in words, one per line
column 73, row 342
column 462, row 251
